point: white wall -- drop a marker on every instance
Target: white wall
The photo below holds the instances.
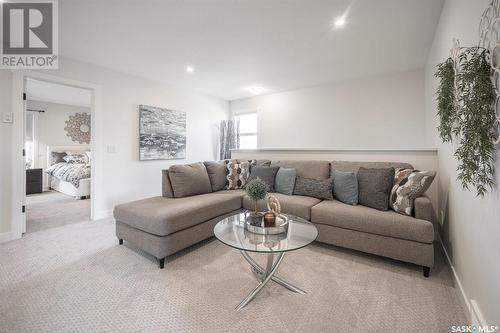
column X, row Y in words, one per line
column 122, row 176
column 471, row 231
column 5, row 153
column 51, row 124
column 384, row 111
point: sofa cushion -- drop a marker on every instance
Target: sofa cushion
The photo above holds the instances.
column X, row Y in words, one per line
column 354, row 166
column 374, row 187
column 189, row 179
column 265, row 173
column 365, row 219
column 166, row 185
column 163, row 216
column 217, row 174
column 345, row 187
column 290, row 204
column 321, row 189
column 285, row 180
column 306, row 169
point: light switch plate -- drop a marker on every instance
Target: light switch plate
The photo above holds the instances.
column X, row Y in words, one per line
column 8, row 117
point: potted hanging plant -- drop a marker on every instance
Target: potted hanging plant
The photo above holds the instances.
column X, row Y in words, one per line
column 256, row 190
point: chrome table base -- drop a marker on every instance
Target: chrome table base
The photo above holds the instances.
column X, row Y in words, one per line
column 265, row 275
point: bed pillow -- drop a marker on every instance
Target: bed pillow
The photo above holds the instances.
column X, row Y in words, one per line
column 189, row 179
column 265, row 173
column 374, row 187
column 345, row 187
column 321, row 189
column 409, row 184
column 237, row 173
column 285, row 180
column 75, row 158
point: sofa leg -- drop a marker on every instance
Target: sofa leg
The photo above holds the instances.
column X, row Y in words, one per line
column 120, row 241
column 162, row 263
column 426, row 271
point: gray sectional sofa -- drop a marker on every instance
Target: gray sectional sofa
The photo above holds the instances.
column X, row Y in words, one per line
column 164, row 225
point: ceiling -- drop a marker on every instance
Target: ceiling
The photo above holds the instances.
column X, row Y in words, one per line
column 57, row 93
column 236, row 44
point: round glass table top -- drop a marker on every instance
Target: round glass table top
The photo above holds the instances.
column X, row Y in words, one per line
column 232, row 232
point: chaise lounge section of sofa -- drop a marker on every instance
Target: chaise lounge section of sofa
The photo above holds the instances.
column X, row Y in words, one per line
column 164, row 225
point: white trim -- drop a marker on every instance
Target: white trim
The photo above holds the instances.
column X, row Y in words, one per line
column 475, row 315
column 18, row 173
column 5, row 237
column 328, row 150
column 103, row 214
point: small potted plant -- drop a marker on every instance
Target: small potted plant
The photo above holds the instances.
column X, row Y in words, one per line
column 256, row 190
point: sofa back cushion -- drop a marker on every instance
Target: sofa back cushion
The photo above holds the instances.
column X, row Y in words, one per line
column 306, row 169
column 217, row 174
column 166, row 186
column 189, row 179
column 354, row 166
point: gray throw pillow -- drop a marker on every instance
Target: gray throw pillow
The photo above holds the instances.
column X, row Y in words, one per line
column 321, row 189
column 267, row 174
column 57, row 157
column 345, row 187
column 374, row 186
column 189, row 179
column 285, row 180
column 217, row 174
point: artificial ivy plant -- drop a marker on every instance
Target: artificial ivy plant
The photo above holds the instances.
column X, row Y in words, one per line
column 466, row 107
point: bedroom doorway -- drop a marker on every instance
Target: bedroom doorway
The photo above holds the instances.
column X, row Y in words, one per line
column 58, row 155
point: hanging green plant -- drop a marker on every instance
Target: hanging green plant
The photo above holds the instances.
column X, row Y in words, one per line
column 446, row 98
column 475, row 121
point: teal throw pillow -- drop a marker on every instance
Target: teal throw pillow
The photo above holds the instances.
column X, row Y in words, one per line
column 345, row 187
column 285, row 180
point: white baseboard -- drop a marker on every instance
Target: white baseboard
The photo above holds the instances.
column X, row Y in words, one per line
column 5, row 237
column 475, row 316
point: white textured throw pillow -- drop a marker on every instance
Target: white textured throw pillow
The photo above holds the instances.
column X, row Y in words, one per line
column 409, row 184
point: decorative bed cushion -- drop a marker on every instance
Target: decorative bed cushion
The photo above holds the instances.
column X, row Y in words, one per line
column 409, row 184
column 265, row 173
column 189, row 179
column 57, row 157
column 285, row 180
column 321, row 189
column 237, row 173
column 374, row 187
column 217, row 174
column 345, row 187
column 75, row 158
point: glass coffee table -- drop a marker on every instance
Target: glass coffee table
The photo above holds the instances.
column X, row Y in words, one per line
column 232, row 232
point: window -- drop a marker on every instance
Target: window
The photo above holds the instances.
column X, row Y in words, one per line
column 248, row 130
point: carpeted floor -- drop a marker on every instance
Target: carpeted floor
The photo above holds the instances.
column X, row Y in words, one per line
column 52, row 209
column 75, row 278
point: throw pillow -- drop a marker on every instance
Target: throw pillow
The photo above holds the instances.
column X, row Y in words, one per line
column 75, row 158
column 285, row 180
column 321, row 189
column 345, row 187
column 237, row 173
column 217, row 174
column 57, row 157
column 374, row 187
column 409, row 184
column 265, row 173
column 189, row 179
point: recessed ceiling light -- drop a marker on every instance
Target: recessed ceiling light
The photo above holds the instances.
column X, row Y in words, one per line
column 256, row 90
column 190, row 69
column 340, row 22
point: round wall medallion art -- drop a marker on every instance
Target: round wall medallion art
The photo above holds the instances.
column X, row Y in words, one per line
column 78, row 127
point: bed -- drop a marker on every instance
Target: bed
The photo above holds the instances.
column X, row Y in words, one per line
column 70, row 178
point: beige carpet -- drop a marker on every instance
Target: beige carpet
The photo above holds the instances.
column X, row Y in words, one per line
column 76, row 278
column 52, row 209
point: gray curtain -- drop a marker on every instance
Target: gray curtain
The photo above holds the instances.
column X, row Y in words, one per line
column 229, row 138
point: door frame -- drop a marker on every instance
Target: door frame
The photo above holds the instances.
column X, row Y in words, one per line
column 18, row 194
